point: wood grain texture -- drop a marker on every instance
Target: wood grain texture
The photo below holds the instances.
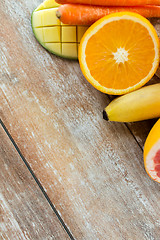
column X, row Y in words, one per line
column 92, row 170
column 25, row 213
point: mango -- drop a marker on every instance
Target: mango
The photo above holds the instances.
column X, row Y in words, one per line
column 58, row 38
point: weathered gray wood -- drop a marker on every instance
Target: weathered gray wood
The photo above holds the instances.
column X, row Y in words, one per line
column 25, row 213
column 92, row 170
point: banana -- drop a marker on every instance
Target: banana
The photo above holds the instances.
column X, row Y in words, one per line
column 139, row 105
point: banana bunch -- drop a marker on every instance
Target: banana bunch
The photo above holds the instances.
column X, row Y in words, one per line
column 139, row 105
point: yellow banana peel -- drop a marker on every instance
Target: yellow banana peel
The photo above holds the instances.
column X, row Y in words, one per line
column 139, row 105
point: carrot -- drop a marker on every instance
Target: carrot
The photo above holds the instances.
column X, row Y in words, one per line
column 86, row 15
column 112, row 2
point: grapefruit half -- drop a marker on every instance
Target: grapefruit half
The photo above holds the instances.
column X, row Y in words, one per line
column 152, row 153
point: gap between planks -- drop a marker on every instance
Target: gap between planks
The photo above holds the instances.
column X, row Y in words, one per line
column 37, row 181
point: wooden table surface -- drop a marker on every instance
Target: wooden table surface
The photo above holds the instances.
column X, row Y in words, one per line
column 65, row 172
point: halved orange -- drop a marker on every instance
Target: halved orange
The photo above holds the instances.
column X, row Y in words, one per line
column 119, row 53
column 152, row 153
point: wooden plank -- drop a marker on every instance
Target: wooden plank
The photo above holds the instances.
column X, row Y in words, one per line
column 92, row 170
column 25, row 212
